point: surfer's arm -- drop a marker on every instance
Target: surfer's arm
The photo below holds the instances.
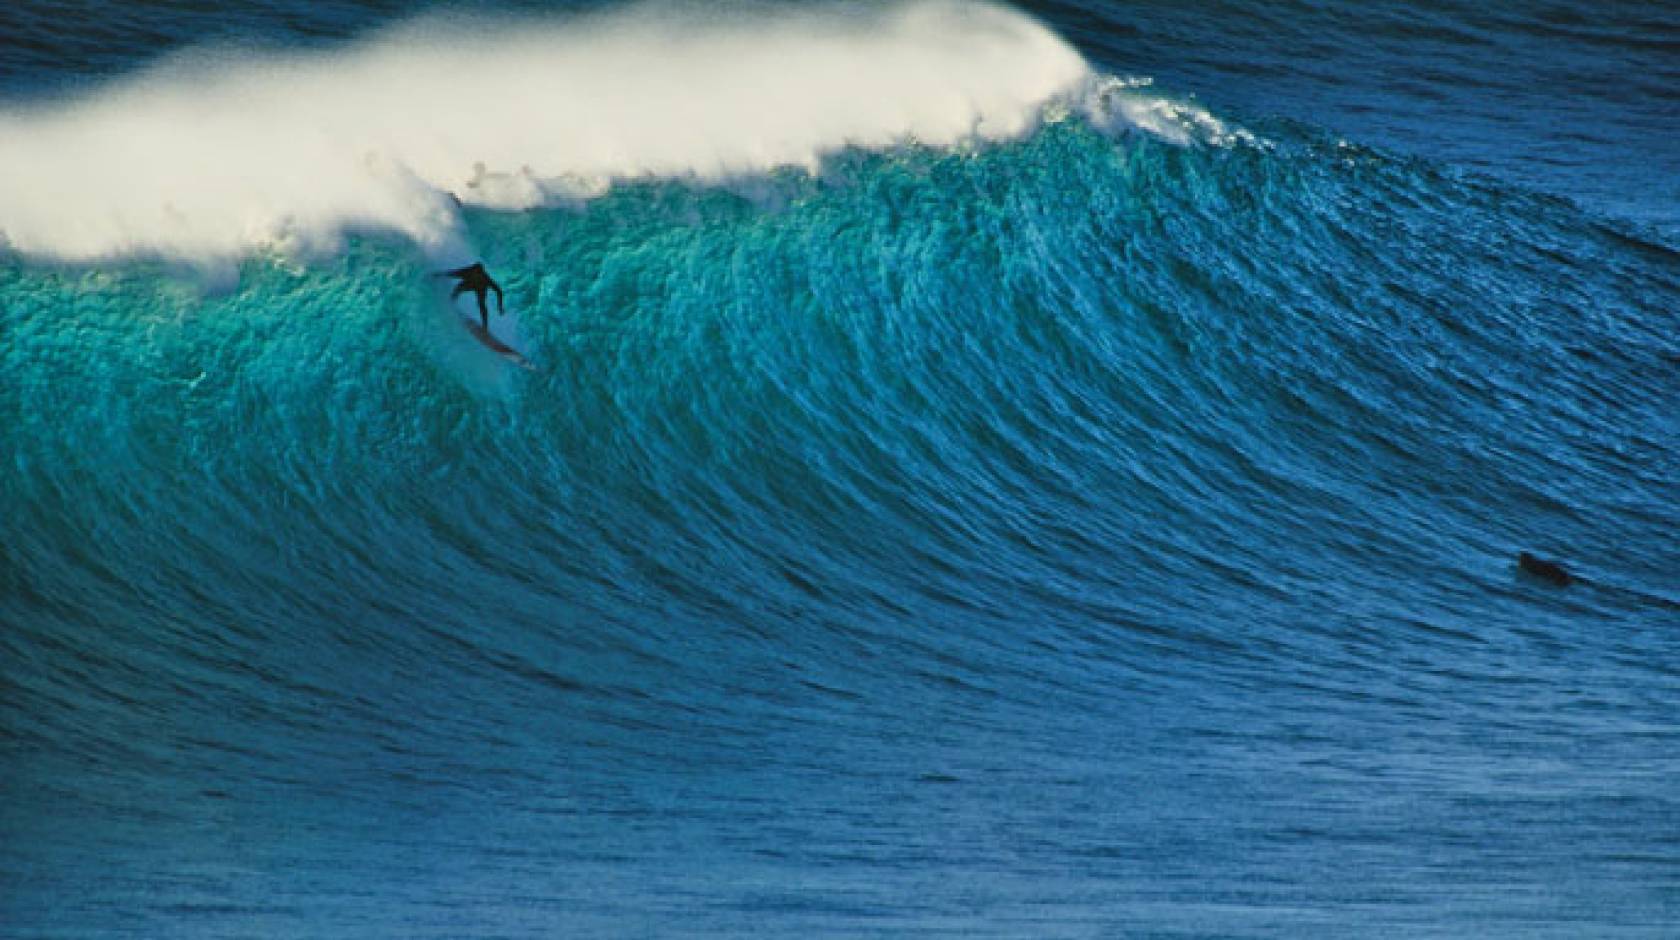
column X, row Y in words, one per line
column 498, row 289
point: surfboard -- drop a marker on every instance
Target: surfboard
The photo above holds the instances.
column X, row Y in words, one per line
column 497, row 346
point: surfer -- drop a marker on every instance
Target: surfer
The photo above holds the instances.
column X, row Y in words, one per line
column 474, row 278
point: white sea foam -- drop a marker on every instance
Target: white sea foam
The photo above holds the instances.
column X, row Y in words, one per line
column 1115, row 103
column 214, row 154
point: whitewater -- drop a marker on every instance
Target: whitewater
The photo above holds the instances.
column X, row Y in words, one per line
column 217, row 153
column 977, row 479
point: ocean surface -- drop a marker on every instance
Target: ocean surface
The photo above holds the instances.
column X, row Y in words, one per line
column 1039, row 471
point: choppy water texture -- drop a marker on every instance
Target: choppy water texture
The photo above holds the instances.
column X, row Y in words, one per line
column 1033, row 503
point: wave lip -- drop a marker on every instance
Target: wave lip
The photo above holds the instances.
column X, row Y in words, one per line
column 214, row 155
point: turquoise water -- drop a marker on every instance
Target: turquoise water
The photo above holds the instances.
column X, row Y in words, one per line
column 1105, row 528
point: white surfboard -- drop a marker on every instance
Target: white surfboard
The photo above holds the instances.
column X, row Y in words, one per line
column 497, row 346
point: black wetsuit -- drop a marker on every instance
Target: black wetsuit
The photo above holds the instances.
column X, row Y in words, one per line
column 474, row 278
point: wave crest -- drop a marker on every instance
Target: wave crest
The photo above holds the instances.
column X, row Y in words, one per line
column 215, row 154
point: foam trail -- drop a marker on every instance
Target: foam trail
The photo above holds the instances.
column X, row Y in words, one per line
column 213, row 156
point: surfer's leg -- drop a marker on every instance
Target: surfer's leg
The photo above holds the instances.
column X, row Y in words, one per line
column 483, row 312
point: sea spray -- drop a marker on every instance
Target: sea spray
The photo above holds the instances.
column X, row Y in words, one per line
column 216, row 153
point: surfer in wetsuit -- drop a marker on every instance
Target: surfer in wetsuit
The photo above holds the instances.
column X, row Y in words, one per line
column 474, row 278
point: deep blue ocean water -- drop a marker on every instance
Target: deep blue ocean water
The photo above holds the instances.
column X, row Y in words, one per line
column 1038, row 472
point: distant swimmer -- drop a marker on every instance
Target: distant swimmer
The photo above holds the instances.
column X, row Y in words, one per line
column 474, row 278
column 1544, row 570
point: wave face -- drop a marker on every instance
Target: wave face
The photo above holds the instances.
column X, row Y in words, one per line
column 1107, row 523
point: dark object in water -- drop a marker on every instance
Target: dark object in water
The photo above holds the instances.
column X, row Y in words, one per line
column 1543, row 569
